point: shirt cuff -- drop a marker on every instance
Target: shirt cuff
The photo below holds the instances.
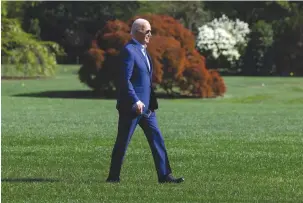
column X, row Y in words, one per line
column 136, row 104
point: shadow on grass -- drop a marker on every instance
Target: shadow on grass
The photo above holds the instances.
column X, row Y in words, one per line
column 28, row 180
column 86, row 94
column 68, row 94
column 49, row 180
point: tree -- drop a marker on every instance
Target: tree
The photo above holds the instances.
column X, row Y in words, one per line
column 75, row 23
column 23, row 51
column 178, row 67
column 289, row 42
column 191, row 14
column 258, row 58
column 276, row 41
column 223, row 40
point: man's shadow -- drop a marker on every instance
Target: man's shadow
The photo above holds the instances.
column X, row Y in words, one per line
column 88, row 94
column 69, row 94
column 28, row 180
column 48, row 180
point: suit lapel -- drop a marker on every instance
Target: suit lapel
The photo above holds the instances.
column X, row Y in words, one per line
column 138, row 49
column 142, row 56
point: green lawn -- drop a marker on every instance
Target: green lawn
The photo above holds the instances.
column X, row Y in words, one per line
column 245, row 147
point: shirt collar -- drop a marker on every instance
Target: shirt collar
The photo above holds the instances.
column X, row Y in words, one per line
column 142, row 46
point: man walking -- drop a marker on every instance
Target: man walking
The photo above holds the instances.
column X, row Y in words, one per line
column 136, row 104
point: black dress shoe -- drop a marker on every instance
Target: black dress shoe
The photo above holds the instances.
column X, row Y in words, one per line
column 171, row 179
column 113, row 180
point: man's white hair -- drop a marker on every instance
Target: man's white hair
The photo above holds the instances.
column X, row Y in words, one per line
column 137, row 24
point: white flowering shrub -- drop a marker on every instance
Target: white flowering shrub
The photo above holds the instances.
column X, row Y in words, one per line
column 223, row 38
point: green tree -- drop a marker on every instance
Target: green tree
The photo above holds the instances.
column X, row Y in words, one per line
column 276, row 41
column 22, row 51
column 288, row 44
column 192, row 14
column 258, row 58
column 76, row 22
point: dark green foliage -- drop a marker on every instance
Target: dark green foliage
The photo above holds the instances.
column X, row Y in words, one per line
column 276, row 44
column 74, row 24
column 258, row 59
column 22, row 51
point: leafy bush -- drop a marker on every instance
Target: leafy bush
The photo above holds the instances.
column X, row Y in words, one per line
column 218, row 86
column 258, row 57
column 223, row 40
column 178, row 67
column 25, row 53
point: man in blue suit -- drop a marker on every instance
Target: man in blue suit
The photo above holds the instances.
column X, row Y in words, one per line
column 136, row 104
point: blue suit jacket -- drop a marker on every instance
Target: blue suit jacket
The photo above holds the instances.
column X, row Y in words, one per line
column 135, row 79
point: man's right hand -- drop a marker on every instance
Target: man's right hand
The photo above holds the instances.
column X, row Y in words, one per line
column 139, row 107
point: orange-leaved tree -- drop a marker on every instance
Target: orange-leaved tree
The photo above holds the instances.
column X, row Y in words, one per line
column 92, row 64
column 178, row 66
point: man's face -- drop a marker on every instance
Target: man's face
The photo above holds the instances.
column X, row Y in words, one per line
column 144, row 34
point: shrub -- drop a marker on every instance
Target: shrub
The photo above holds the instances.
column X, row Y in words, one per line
column 92, row 64
column 223, row 40
column 24, row 53
column 258, row 59
column 218, row 86
column 178, row 67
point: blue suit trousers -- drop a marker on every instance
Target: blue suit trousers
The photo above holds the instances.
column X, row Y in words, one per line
column 126, row 127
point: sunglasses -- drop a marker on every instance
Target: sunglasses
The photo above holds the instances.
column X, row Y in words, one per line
column 146, row 32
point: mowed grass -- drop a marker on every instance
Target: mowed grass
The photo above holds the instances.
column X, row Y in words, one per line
column 245, row 147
